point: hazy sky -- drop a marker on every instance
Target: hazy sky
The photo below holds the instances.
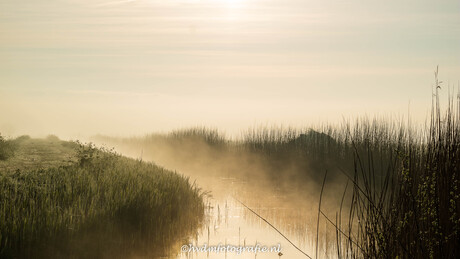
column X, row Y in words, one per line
column 80, row 67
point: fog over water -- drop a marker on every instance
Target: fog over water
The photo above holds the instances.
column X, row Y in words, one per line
column 286, row 196
column 115, row 71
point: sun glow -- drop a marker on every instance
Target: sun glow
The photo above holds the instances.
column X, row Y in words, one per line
column 229, row 3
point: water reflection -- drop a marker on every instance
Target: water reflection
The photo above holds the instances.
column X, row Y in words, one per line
column 228, row 222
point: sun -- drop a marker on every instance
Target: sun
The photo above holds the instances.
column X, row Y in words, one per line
column 231, row 3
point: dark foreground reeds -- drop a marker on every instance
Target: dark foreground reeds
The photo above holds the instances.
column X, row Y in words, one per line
column 102, row 205
column 408, row 206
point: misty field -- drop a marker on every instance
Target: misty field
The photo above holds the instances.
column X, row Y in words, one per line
column 371, row 189
column 392, row 188
column 168, row 129
column 67, row 200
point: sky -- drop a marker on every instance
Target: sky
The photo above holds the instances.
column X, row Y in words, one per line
column 131, row 67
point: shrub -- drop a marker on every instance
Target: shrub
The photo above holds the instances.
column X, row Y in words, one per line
column 7, row 148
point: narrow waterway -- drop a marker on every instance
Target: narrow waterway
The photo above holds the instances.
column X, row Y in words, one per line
column 286, row 220
column 231, row 225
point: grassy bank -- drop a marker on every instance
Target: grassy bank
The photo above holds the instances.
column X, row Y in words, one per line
column 91, row 203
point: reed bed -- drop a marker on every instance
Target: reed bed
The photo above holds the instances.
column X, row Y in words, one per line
column 401, row 189
column 412, row 210
column 101, row 206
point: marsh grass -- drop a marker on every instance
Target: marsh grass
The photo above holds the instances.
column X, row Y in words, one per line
column 7, row 148
column 413, row 210
column 401, row 189
column 102, row 205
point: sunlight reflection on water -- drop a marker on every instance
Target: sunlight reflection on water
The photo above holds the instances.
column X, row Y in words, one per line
column 230, row 223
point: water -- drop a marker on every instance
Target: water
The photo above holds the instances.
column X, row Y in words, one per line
column 294, row 212
column 228, row 222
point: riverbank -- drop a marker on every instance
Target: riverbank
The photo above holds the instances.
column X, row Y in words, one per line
column 67, row 200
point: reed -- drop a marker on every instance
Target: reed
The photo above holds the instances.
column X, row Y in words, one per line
column 102, row 206
column 401, row 196
column 412, row 209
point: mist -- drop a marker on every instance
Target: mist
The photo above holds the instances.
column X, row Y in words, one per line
column 329, row 128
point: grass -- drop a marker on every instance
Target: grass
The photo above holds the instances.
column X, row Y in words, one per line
column 7, row 148
column 30, row 154
column 402, row 199
column 281, row 155
column 401, row 186
column 97, row 204
column 414, row 212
